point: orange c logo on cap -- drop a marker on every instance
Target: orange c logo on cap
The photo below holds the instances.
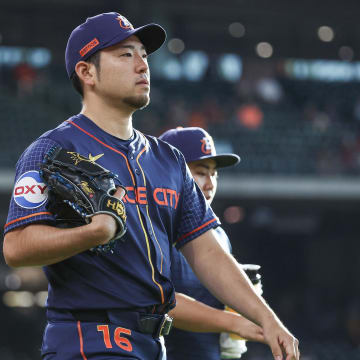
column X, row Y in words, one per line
column 206, row 145
column 124, row 22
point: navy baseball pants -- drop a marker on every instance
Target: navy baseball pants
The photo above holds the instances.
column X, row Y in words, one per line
column 66, row 338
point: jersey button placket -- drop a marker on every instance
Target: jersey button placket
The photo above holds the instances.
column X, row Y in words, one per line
column 131, row 153
column 131, row 156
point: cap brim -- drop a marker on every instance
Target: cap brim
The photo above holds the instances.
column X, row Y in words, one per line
column 223, row 160
column 152, row 36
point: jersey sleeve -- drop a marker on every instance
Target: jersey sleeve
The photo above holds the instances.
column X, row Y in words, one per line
column 29, row 195
column 197, row 217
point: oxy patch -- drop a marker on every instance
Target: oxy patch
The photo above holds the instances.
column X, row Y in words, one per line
column 30, row 191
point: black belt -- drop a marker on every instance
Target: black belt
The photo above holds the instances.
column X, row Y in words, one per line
column 154, row 324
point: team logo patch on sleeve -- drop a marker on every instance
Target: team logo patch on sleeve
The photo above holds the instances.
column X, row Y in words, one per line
column 30, row 191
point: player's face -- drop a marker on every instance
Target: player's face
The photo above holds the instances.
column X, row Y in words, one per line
column 124, row 76
column 205, row 175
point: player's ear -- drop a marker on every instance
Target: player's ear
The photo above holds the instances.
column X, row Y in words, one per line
column 86, row 72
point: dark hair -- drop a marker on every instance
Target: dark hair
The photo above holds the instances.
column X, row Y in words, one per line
column 93, row 59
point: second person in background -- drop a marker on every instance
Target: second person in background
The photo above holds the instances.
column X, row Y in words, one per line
column 204, row 341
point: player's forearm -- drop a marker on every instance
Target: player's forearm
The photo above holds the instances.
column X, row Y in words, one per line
column 38, row 245
column 192, row 315
column 243, row 298
column 227, row 274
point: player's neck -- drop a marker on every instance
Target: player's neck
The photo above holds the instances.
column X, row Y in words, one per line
column 113, row 120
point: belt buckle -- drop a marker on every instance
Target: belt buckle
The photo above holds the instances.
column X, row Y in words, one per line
column 165, row 325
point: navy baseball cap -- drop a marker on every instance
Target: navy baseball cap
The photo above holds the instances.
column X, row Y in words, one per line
column 104, row 30
column 196, row 144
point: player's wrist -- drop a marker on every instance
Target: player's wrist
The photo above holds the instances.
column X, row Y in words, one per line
column 271, row 322
column 237, row 327
column 103, row 227
column 240, row 326
column 232, row 323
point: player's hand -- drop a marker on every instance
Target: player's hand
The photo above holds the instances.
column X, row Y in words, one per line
column 106, row 223
column 281, row 341
column 120, row 192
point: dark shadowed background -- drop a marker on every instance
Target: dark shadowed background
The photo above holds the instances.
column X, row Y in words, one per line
column 277, row 83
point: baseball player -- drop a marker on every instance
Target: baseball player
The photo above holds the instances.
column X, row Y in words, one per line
column 114, row 304
column 199, row 151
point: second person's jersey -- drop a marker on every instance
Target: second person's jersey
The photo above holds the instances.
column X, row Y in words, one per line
column 188, row 345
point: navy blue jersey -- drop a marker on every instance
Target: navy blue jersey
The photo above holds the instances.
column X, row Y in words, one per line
column 163, row 204
column 188, row 345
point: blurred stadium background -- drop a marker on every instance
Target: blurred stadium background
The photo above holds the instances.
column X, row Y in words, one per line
column 276, row 82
